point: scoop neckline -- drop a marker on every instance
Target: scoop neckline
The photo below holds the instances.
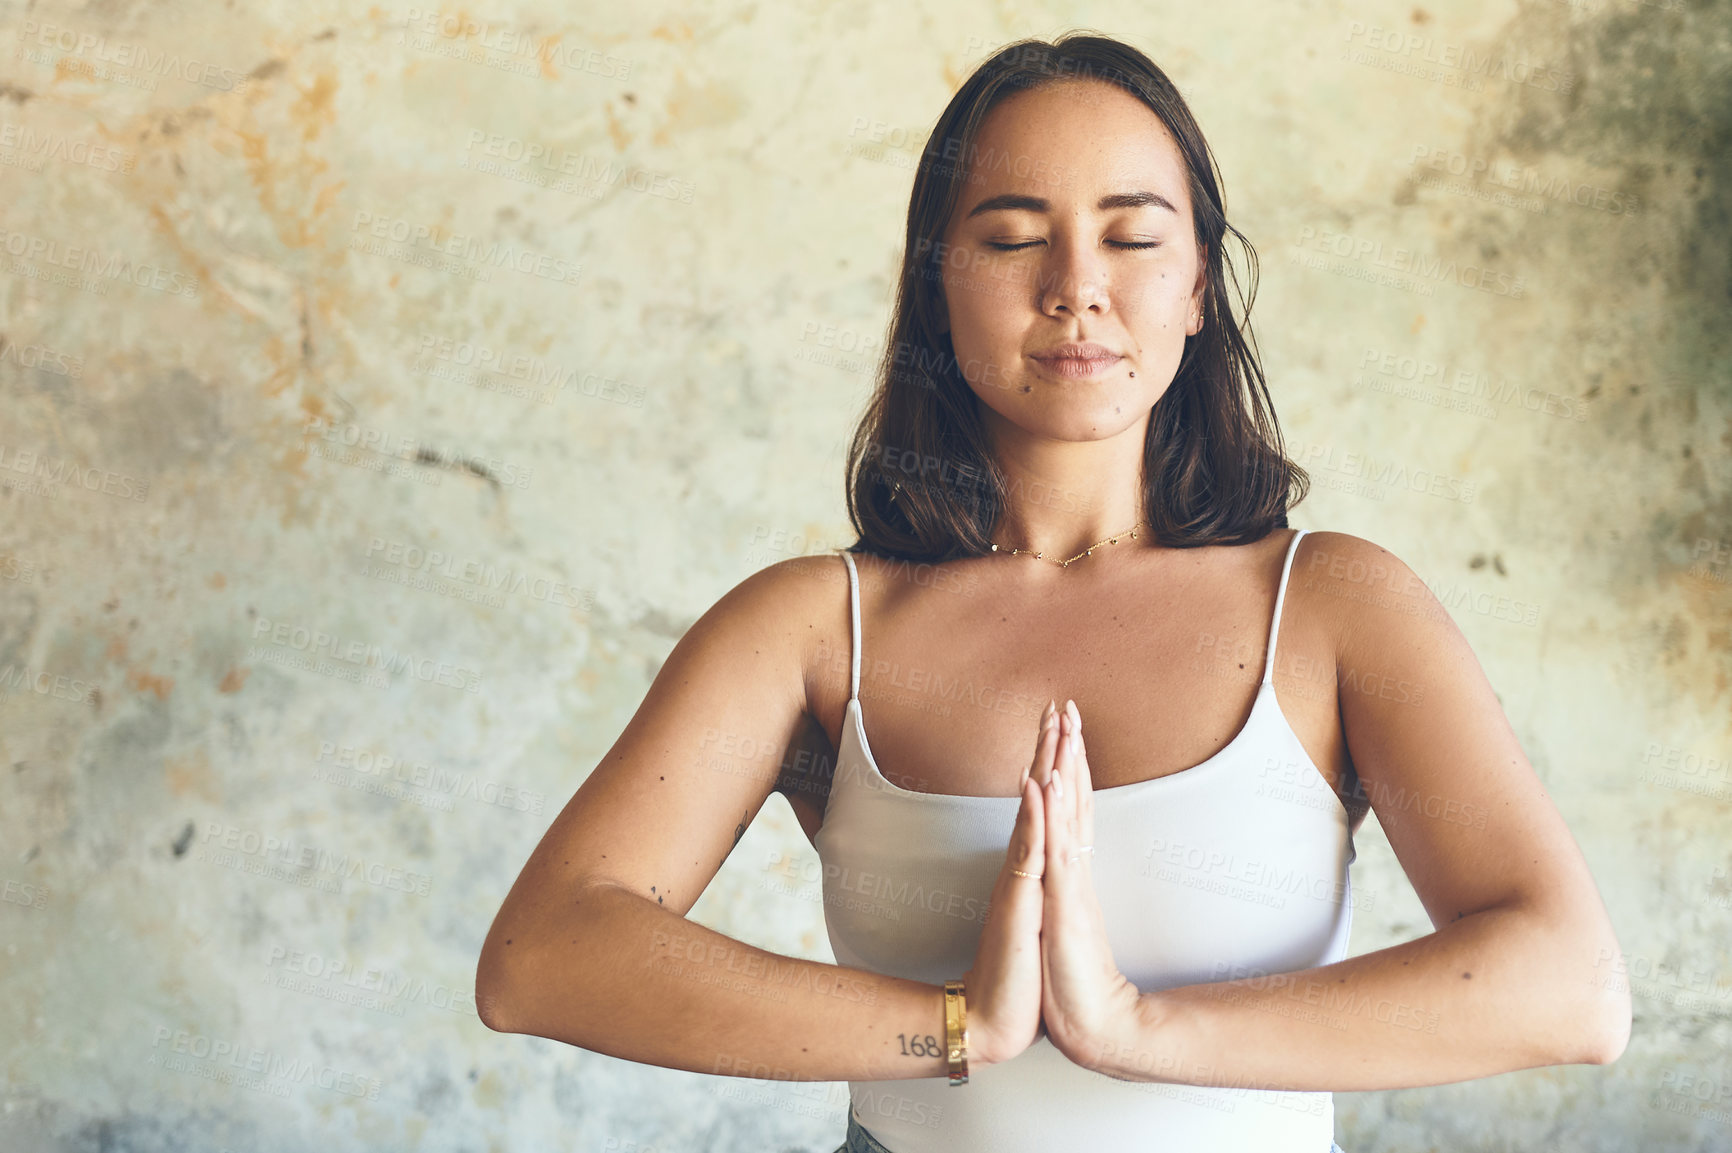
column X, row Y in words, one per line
column 1265, row 693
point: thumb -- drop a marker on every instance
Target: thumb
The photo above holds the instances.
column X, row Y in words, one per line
column 1028, row 839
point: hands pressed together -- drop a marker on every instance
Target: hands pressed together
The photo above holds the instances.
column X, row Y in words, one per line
column 1043, row 966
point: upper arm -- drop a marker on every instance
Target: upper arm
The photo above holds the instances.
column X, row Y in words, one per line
column 808, row 767
column 1435, row 755
column 662, row 810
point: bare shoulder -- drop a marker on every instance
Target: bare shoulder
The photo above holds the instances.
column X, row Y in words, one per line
column 1340, row 558
column 801, row 606
column 1355, row 584
column 789, row 597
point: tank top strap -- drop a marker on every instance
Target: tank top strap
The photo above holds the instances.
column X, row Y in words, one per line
column 854, row 626
column 1280, row 597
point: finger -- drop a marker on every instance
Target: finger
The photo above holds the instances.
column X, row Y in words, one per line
column 1045, row 748
column 1066, row 766
column 1085, row 785
column 1027, row 842
column 1036, row 825
column 1057, row 829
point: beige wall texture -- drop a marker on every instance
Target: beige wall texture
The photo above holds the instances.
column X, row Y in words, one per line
column 384, row 391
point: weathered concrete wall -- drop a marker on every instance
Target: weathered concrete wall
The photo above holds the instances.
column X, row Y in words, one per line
column 223, row 222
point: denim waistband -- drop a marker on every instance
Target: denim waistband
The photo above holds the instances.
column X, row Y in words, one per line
column 860, row 1140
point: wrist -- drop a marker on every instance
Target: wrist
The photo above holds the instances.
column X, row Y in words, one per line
column 1129, row 1047
column 956, row 1035
column 980, row 1050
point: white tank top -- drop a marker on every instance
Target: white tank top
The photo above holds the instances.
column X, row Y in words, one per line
column 1233, row 868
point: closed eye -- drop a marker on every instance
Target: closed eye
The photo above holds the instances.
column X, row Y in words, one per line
column 999, row 246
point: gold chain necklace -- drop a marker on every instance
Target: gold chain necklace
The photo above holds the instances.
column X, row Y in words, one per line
column 1089, row 551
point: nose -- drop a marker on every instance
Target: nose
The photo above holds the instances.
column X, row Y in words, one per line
column 1073, row 280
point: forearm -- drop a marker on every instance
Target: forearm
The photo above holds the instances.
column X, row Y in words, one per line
column 624, row 976
column 1492, row 992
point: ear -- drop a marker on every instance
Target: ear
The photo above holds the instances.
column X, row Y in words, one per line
column 1200, row 290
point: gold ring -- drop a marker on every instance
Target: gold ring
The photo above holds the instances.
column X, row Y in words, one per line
column 1020, row 873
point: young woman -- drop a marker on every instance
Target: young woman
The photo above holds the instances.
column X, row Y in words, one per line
column 1069, row 487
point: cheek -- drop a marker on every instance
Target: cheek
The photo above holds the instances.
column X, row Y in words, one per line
column 1153, row 302
column 983, row 310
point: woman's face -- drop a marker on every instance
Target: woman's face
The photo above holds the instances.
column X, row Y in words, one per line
column 1074, row 228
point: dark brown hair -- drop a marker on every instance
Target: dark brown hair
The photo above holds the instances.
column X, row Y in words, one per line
column 922, row 482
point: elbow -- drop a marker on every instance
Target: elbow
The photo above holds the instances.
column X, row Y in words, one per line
column 1599, row 1027
column 1617, row 1020
column 493, row 1012
column 493, row 1003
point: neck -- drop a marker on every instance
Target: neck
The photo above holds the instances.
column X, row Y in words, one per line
column 1065, row 496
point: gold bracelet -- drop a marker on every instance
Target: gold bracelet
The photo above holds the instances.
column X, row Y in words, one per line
column 956, row 1032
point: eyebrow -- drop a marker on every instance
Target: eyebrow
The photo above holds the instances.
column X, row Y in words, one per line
column 1011, row 201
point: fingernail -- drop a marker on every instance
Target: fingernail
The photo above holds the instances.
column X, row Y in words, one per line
column 1057, row 784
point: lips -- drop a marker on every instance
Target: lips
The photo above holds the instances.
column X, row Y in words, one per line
column 1074, row 360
